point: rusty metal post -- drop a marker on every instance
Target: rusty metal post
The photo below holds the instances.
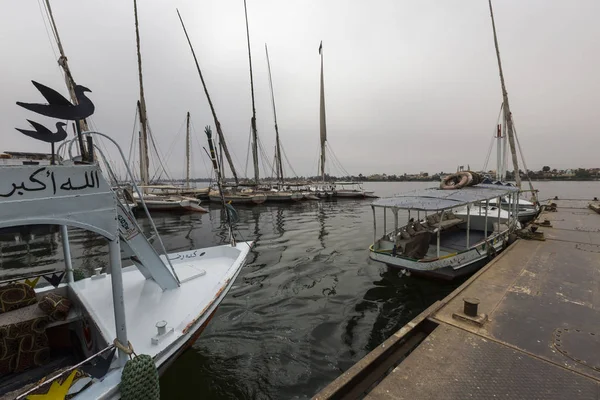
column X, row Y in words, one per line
column 471, row 306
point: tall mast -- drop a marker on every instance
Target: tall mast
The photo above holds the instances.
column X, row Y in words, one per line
column 279, row 164
column 144, row 161
column 187, row 151
column 507, row 114
column 322, row 116
column 212, row 108
column 62, row 61
column 143, row 154
column 253, row 120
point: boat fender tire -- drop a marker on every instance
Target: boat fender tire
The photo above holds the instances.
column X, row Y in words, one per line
column 139, row 380
column 455, row 181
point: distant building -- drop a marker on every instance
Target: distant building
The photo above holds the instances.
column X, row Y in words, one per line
column 22, row 158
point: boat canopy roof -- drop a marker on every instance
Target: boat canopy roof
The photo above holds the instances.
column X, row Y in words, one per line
column 434, row 199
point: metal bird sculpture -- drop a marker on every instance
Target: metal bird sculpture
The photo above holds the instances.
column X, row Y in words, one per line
column 46, row 135
column 59, row 107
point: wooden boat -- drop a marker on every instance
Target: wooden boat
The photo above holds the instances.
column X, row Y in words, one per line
column 235, row 197
column 352, row 190
column 199, row 193
column 176, row 204
column 161, row 198
column 444, row 241
column 339, row 189
column 507, row 142
column 164, row 199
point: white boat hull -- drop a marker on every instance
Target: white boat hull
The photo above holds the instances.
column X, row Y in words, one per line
column 174, row 203
column 478, row 219
column 206, row 276
column 449, row 266
column 174, row 206
column 527, row 210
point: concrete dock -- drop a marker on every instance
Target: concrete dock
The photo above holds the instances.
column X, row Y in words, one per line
column 535, row 334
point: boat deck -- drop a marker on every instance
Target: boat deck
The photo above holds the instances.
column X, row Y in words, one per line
column 539, row 337
column 453, row 241
column 204, row 277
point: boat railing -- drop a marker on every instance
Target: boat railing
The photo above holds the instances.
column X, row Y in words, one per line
column 69, row 146
column 94, row 357
column 512, row 222
column 28, row 276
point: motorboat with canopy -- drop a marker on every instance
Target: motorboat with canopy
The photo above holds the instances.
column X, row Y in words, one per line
column 448, row 233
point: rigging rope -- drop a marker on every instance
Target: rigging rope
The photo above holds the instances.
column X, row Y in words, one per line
column 288, row 161
column 487, row 159
column 131, row 146
column 48, row 32
column 343, row 170
column 265, row 159
column 172, row 146
column 52, row 27
column 158, row 154
column 523, row 159
column 489, row 153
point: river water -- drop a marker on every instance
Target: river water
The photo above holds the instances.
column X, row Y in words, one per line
column 308, row 304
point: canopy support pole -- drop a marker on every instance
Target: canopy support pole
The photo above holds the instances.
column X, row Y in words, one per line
column 468, row 224
column 498, row 203
column 116, row 274
column 384, row 221
column 374, row 227
column 395, row 211
column 485, row 229
column 64, row 236
column 517, row 196
column 438, row 233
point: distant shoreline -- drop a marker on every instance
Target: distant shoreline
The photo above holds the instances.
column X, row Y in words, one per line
column 565, row 179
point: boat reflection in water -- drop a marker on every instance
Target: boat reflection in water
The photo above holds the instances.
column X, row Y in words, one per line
column 27, row 249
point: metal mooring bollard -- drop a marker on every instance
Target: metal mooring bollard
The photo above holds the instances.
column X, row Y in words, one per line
column 471, row 306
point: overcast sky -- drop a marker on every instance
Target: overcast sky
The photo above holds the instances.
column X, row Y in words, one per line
column 410, row 85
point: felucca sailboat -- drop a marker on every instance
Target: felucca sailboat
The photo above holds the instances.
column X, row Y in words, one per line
column 155, row 197
column 507, row 137
column 335, row 189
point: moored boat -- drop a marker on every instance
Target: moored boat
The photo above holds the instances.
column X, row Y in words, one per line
column 158, row 306
column 159, row 198
column 170, row 203
column 352, row 190
column 444, row 241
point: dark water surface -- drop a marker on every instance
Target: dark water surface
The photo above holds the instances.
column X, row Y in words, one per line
column 308, row 304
